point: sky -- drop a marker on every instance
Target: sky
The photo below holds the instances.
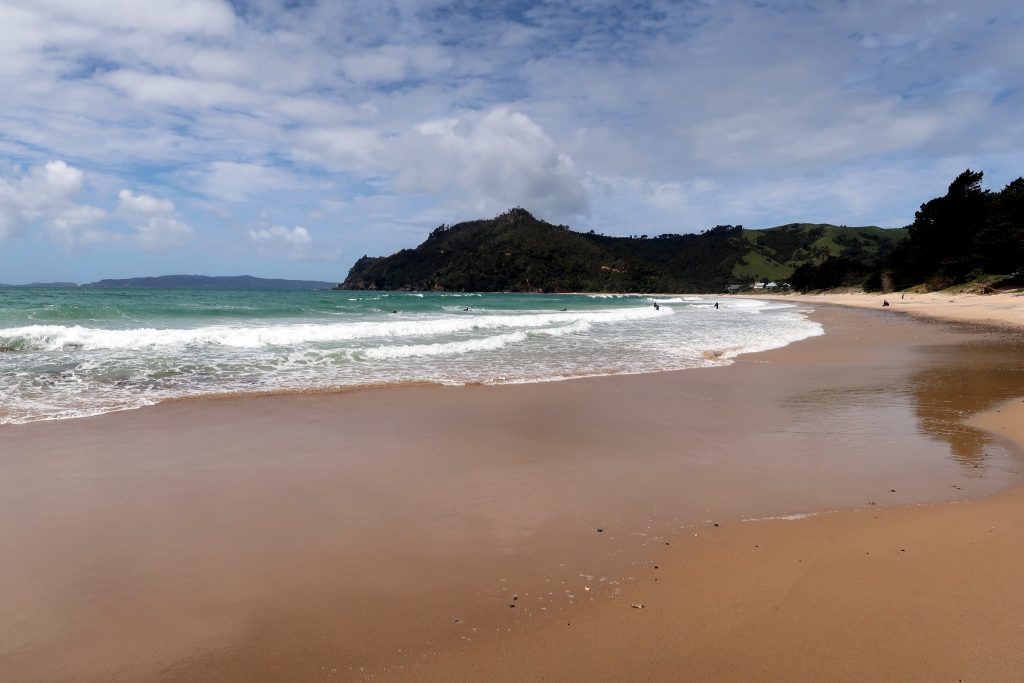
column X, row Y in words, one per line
column 287, row 139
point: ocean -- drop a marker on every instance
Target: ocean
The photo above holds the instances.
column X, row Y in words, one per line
column 78, row 352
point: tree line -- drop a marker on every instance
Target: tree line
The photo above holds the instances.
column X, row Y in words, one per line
column 966, row 234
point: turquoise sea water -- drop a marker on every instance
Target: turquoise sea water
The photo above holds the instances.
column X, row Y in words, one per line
column 77, row 352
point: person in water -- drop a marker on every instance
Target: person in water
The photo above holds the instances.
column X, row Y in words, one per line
column 656, row 306
column 716, row 304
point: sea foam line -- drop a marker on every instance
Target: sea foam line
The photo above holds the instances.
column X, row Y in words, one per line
column 458, row 347
column 57, row 337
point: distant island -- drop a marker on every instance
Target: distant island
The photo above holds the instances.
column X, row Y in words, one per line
column 516, row 252
column 246, row 282
column 967, row 235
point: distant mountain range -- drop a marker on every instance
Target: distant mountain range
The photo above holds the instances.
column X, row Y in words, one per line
column 519, row 253
column 44, row 284
column 208, row 282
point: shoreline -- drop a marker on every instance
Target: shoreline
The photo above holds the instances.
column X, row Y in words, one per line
column 1004, row 310
column 481, row 500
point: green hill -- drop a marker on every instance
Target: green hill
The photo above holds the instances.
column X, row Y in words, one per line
column 517, row 252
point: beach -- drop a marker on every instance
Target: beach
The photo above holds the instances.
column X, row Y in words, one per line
column 1001, row 309
column 842, row 508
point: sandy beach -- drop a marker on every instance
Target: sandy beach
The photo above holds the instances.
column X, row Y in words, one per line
column 1004, row 309
column 595, row 529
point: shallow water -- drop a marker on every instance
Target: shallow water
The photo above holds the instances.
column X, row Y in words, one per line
column 79, row 352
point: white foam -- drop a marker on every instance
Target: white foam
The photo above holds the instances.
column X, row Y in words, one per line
column 57, row 337
column 491, row 343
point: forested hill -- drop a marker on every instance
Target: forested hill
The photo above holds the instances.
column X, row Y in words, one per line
column 516, row 252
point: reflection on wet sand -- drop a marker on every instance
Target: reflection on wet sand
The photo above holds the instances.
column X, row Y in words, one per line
column 961, row 380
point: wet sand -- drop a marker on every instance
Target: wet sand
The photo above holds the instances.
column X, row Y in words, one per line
column 453, row 533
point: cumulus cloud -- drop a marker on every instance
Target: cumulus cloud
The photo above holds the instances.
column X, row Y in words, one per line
column 497, row 160
column 490, row 160
column 44, row 196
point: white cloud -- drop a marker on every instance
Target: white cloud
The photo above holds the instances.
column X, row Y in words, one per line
column 161, row 232
column 167, row 16
column 294, row 243
column 238, row 182
column 44, row 196
column 297, row 236
column 154, row 220
column 143, row 203
column 176, row 91
column 77, row 225
column 392, row 63
column 493, row 160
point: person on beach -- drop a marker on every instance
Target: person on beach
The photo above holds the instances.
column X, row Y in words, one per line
column 885, row 302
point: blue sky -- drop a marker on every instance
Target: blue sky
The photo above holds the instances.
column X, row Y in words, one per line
column 287, row 139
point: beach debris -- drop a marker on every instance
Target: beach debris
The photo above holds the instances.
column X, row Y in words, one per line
column 871, row 502
column 458, row 621
column 716, row 523
column 637, row 605
column 512, row 604
column 655, row 566
column 600, row 531
column 892, row 490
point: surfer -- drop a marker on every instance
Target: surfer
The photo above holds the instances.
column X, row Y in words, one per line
column 656, row 306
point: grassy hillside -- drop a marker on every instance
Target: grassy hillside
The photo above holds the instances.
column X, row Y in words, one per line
column 775, row 253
